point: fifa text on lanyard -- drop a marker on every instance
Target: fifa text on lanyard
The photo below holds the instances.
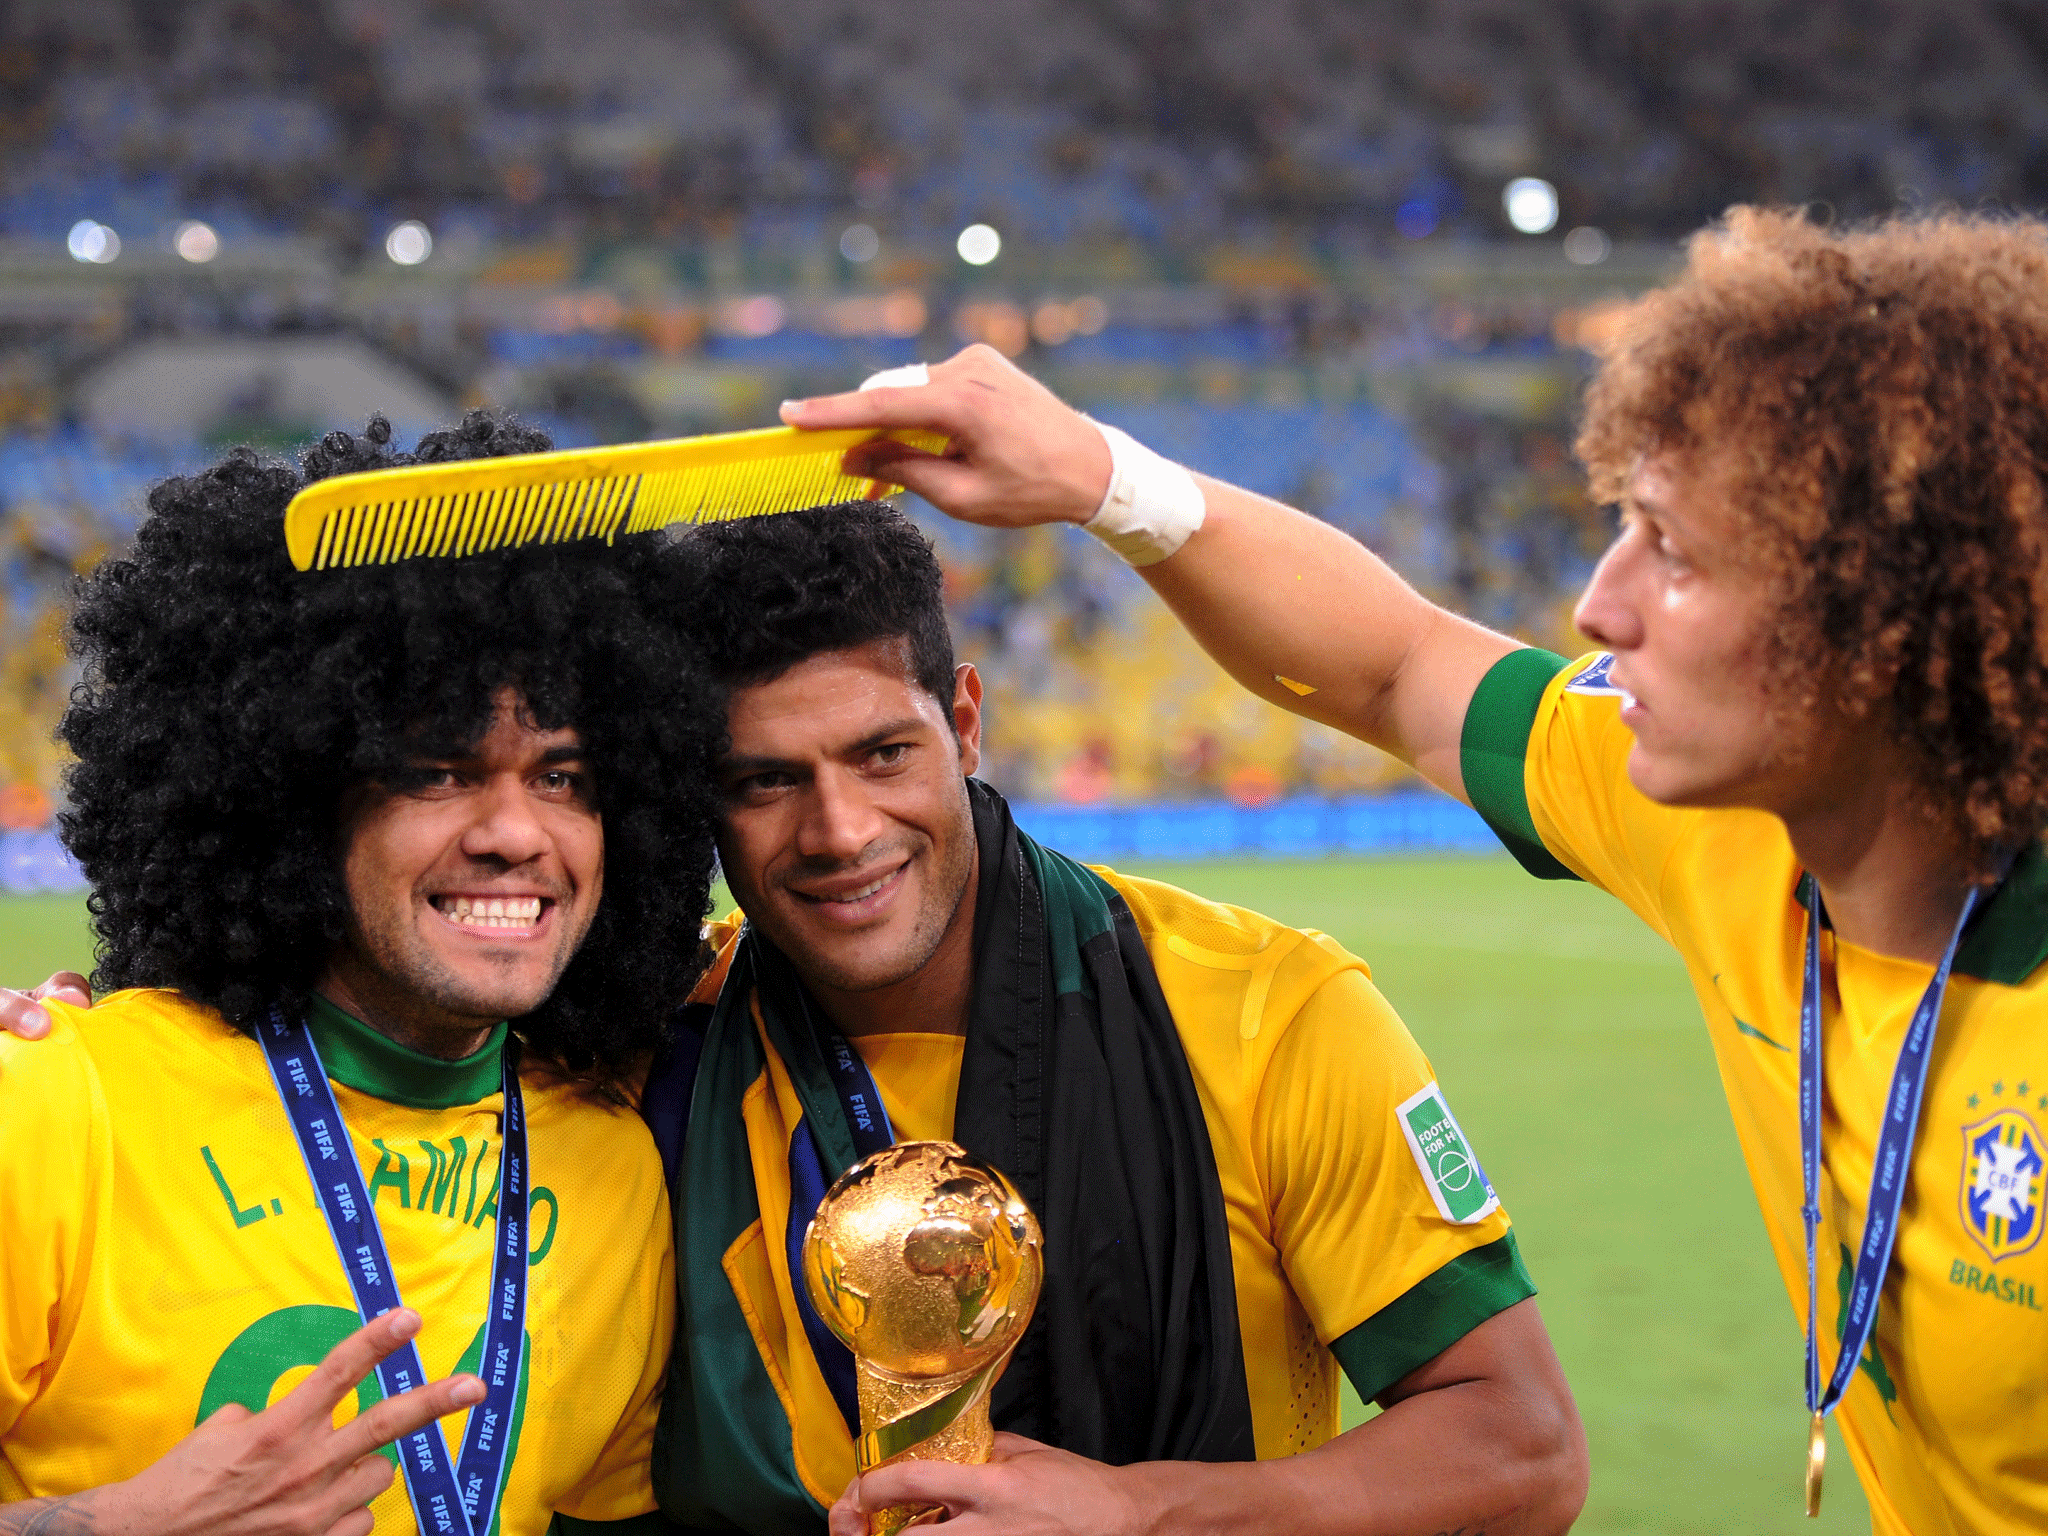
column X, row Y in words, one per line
column 447, row 1499
column 1888, row 1176
column 811, row 1174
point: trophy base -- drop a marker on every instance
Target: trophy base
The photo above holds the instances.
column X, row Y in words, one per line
column 967, row 1440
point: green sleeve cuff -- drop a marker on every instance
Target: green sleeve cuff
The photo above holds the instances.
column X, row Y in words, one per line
column 653, row 1523
column 1495, row 750
column 1432, row 1315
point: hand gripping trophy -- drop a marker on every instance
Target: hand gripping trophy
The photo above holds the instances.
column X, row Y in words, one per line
column 926, row 1263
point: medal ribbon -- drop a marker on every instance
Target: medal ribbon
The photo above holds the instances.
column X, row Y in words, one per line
column 1888, row 1174
column 866, row 1117
column 447, row 1500
column 867, row 1120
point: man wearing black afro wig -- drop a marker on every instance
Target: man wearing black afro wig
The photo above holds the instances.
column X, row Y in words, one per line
column 410, row 859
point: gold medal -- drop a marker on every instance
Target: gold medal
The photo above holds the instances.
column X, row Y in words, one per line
column 1816, row 1463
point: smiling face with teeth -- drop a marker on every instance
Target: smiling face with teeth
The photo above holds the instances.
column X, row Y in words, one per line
column 846, row 834
column 471, row 881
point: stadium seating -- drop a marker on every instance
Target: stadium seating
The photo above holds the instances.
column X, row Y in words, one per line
column 1072, row 120
column 1265, row 238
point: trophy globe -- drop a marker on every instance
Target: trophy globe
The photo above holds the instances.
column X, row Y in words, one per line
column 926, row 1263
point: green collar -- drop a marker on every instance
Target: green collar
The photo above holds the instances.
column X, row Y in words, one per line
column 2008, row 940
column 356, row 1055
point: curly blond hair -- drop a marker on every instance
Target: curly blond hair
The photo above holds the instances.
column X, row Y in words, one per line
column 1880, row 395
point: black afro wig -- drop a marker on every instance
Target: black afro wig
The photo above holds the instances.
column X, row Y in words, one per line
column 229, row 702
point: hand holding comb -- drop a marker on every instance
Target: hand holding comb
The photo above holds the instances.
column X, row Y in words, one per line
column 473, row 505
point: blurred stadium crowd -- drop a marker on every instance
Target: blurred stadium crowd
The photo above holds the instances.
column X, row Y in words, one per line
column 1266, row 236
column 1173, row 123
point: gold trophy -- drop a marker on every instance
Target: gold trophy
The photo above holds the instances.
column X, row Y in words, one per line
column 926, row 1263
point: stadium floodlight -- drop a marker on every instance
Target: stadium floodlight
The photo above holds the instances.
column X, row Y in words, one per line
column 92, row 241
column 409, row 243
column 1586, row 246
column 859, row 243
column 1531, row 203
column 196, row 242
column 979, row 245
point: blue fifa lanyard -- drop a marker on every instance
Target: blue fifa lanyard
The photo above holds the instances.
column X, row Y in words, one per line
column 1889, row 1172
column 866, row 1117
column 446, row 1498
column 809, row 1177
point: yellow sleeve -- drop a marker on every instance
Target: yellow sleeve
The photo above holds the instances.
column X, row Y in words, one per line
column 621, row 1485
column 1386, row 1224
column 55, row 1154
column 1545, row 760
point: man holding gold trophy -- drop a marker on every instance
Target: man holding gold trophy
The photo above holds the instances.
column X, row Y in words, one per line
column 1008, row 1191
column 1237, row 1174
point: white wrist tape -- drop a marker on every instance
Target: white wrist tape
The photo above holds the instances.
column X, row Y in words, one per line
column 910, row 375
column 1152, row 505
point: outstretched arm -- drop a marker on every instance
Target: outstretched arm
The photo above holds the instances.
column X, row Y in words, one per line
column 1270, row 592
column 1483, row 1440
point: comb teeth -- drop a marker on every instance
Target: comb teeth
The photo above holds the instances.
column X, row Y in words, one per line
column 513, row 502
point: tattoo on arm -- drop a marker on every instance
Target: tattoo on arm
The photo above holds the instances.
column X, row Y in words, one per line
column 70, row 1516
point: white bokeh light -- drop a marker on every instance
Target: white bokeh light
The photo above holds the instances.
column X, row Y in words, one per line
column 1586, row 246
column 92, row 241
column 195, row 241
column 979, row 245
column 1531, row 203
column 409, row 243
column 859, row 243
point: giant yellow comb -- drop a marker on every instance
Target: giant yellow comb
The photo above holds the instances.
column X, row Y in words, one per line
column 473, row 505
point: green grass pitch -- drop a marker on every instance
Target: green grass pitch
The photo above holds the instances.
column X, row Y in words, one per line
column 1572, row 1050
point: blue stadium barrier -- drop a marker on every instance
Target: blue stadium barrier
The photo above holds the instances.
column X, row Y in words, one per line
column 1409, row 821
column 534, row 348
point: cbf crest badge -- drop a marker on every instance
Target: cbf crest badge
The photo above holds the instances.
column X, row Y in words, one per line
column 2001, row 1193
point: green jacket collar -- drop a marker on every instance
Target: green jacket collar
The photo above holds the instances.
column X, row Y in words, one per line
column 357, row 1056
column 2008, row 940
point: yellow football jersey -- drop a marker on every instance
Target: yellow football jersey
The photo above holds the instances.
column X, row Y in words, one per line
column 1947, row 1418
column 164, row 1253
column 1363, row 1232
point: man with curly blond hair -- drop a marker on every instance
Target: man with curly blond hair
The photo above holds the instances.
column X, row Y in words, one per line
column 1810, row 751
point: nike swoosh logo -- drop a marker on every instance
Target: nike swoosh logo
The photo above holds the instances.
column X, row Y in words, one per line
column 1744, row 1027
column 1756, row 1034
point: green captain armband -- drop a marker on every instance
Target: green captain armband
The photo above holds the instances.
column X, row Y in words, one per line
column 1494, row 752
column 1432, row 1315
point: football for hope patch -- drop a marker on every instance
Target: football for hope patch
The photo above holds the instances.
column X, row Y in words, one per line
column 1449, row 1166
